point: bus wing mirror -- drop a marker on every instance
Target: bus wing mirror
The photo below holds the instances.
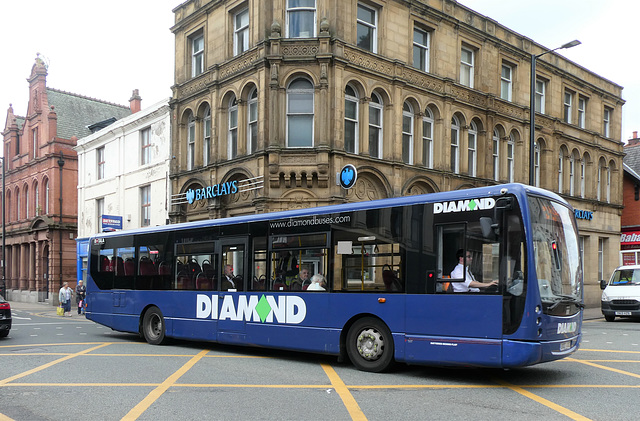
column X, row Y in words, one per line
column 488, row 227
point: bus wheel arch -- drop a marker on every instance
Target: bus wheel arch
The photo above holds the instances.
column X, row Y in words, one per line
column 368, row 343
column 153, row 327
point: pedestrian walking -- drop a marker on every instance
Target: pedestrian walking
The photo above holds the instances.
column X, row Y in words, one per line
column 81, row 292
column 65, row 298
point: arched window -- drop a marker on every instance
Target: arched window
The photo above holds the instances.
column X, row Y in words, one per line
column 572, row 174
column 495, row 146
column 26, row 202
column 206, row 137
column 300, row 97
column 46, row 197
column 472, row 148
column 37, row 208
column 375, row 126
column 583, row 176
column 252, row 121
column 599, row 183
column 608, row 186
column 407, row 133
column 17, row 205
column 427, row 138
column 455, row 145
column 232, row 138
column 351, row 120
column 191, row 142
column 536, row 164
column 7, row 205
column 561, row 171
column 511, row 146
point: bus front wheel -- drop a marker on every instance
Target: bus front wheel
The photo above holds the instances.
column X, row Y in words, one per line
column 153, row 326
column 370, row 345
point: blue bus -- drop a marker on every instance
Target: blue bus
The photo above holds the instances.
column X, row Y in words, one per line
column 390, row 280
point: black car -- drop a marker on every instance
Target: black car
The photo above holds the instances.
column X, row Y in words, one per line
column 5, row 318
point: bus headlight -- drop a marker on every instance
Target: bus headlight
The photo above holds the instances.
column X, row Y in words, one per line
column 605, row 297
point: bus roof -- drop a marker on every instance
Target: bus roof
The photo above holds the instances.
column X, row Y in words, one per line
column 477, row 192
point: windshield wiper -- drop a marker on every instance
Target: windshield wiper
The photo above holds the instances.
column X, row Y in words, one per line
column 566, row 299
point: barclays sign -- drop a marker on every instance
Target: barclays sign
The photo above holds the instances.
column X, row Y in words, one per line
column 583, row 214
column 209, row 192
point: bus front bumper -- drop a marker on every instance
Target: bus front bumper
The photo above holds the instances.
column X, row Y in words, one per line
column 521, row 354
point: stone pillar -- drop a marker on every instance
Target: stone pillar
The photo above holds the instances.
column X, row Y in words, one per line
column 31, row 262
column 24, row 274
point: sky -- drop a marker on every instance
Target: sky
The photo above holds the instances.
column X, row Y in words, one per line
column 101, row 50
column 105, row 50
column 607, row 30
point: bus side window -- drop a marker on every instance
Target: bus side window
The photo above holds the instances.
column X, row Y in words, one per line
column 449, row 239
column 147, row 276
column 182, row 273
column 124, row 268
column 259, row 280
column 102, row 272
column 366, row 263
column 232, row 268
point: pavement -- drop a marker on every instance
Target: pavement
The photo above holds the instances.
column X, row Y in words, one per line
column 590, row 313
column 41, row 308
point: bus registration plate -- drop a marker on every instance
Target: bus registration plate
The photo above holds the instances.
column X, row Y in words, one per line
column 623, row 313
column 565, row 345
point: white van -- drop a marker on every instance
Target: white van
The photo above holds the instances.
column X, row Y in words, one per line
column 621, row 295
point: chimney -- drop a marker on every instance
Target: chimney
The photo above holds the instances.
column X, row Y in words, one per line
column 53, row 124
column 634, row 140
column 135, row 102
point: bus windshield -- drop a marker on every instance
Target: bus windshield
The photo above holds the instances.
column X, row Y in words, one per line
column 556, row 254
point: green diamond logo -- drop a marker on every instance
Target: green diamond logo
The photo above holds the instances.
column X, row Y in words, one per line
column 263, row 308
column 472, row 204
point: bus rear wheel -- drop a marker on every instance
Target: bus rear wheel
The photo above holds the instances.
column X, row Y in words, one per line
column 153, row 326
column 370, row 345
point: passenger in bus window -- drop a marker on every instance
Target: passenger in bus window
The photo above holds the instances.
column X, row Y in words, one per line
column 301, row 280
column 288, row 265
column 318, row 283
column 470, row 284
column 228, row 281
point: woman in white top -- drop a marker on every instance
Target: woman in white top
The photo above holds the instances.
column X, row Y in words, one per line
column 318, row 283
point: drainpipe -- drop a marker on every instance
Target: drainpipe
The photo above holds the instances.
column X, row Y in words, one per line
column 60, row 164
column 4, row 234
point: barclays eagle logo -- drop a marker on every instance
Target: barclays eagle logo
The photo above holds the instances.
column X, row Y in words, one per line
column 191, row 195
column 348, row 176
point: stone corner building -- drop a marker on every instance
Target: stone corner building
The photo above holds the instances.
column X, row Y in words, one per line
column 41, row 186
column 420, row 96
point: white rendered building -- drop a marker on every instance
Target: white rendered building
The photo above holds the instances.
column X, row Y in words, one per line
column 123, row 172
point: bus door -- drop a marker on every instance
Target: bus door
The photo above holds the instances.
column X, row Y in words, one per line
column 195, row 269
column 450, row 324
column 124, row 271
column 232, row 299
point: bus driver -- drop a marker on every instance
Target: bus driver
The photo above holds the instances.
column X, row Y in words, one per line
column 470, row 284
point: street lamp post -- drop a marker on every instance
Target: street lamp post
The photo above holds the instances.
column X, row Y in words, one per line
column 60, row 164
column 532, row 106
column 4, row 232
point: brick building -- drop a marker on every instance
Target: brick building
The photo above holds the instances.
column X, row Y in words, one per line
column 41, row 186
column 630, row 221
column 420, row 96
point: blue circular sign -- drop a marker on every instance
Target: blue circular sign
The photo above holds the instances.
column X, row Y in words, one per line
column 348, row 176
